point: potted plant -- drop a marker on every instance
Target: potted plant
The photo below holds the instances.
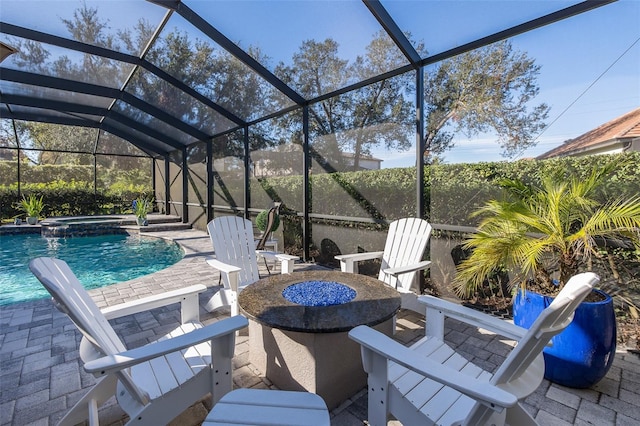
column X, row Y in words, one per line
column 141, row 207
column 32, row 207
column 543, row 235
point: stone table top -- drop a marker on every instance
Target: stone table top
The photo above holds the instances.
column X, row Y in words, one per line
column 375, row 302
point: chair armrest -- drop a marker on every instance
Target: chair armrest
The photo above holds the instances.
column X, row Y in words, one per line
column 187, row 295
column 230, row 273
column 356, row 257
column 286, row 260
column 382, row 345
column 113, row 363
column 221, row 266
column 443, row 308
column 349, row 262
column 272, row 255
column 425, row 264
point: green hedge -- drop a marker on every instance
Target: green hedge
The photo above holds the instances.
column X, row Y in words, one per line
column 46, row 172
column 452, row 191
column 458, row 190
column 71, row 199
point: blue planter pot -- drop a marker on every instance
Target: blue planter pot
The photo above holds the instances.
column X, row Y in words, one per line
column 582, row 354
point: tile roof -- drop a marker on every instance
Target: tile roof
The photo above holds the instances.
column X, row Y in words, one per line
column 624, row 127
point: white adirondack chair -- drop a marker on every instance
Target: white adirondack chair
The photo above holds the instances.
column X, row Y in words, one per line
column 237, row 259
column 406, row 242
column 154, row 383
column 429, row 383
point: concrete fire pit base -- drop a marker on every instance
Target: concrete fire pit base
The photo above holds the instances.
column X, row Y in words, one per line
column 328, row 364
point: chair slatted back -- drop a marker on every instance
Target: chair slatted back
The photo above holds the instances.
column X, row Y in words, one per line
column 233, row 243
column 551, row 321
column 406, row 242
column 73, row 300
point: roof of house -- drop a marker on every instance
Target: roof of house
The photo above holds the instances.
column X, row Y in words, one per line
column 624, row 127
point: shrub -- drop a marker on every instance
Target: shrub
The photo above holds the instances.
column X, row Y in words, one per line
column 261, row 221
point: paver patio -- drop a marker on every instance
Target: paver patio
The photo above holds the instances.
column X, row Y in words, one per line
column 41, row 376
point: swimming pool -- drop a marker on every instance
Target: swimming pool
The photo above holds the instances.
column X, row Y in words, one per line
column 97, row 261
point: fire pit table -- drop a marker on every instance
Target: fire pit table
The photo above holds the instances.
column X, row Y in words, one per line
column 299, row 324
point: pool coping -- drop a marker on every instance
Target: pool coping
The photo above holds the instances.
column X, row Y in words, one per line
column 61, row 226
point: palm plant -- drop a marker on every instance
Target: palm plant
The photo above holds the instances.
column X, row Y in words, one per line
column 546, row 233
column 32, row 206
column 141, row 207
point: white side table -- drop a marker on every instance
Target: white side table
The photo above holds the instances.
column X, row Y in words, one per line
column 269, row 407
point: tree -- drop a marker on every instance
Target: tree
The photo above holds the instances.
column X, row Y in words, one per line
column 482, row 90
column 479, row 91
column 87, row 27
column 487, row 89
column 197, row 63
column 54, row 139
column 215, row 74
column 356, row 121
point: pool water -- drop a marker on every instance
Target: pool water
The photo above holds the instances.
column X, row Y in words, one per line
column 97, row 261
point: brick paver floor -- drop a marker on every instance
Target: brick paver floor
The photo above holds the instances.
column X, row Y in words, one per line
column 41, row 376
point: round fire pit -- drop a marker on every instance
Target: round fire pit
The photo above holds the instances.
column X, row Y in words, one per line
column 299, row 324
column 373, row 302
